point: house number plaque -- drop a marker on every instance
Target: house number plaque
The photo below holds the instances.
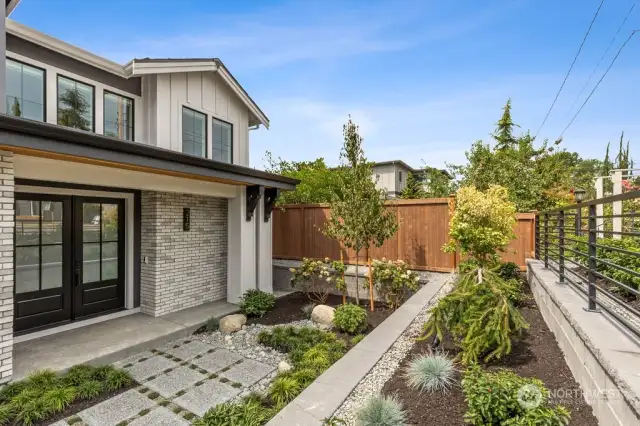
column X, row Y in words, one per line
column 186, row 219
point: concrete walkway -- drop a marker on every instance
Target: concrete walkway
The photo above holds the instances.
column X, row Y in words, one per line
column 109, row 341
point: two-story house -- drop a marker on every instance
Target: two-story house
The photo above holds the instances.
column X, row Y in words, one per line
column 391, row 176
column 125, row 188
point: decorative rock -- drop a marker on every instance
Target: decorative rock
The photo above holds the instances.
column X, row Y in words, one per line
column 228, row 340
column 283, row 367
column 232, row 323
column 323, row 314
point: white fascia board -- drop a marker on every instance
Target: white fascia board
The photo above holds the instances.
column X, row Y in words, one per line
column 60, row 46
column 239, row 91
column 157, row 67
column 12, row 5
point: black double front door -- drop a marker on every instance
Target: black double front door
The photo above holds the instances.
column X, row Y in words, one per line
column 68, row 258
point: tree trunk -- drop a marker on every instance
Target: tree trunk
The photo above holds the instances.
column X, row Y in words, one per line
column 357, row 281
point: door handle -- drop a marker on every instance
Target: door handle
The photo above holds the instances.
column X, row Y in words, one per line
column 77, row 274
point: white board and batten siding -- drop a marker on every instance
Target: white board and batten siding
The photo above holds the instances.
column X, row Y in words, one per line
column 204, row 92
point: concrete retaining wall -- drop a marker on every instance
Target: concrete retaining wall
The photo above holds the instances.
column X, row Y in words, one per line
column 603, row 357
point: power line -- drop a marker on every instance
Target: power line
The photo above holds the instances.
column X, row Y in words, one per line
column 602, row 58
column 599, row 81
column 570, row 68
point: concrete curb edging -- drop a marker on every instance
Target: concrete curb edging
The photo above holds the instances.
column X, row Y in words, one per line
column 597, row 350
column 324, row 396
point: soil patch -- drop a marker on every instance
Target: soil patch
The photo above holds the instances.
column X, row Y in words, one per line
column 289, row 308
column 81, row 405
column 536, row 355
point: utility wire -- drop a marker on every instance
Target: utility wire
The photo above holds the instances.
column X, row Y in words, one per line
column 602, row 58
column 570, row 68
column 599, row 81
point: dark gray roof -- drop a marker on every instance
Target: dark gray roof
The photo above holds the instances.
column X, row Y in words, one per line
column 411, row 169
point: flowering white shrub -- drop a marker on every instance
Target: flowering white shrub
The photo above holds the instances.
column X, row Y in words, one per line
column 393, row 280
column 317, row 278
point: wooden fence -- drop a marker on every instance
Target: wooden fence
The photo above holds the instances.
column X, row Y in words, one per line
column 423, row 230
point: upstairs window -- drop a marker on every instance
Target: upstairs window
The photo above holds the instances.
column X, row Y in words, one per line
column 118, row 116
column 400, row 176
column 194, row 133
column 75, row 104
column 222, row 141
column 25, row 91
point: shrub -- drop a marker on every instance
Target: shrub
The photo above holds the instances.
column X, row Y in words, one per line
column 382, row 410
column 59, row 398
column 393, row 281
column 431, row 373
column 78, row 374
column 350, row 318
column 248, row 413
column 504, row 398
column 479, row 315
column 101, row 373
column 7, row 412
column 284, row 389
column 308, row 309
column 317, row 277
column 41, row 379
column 482, row 223
column 257, row 303
column 509, row 271
column 294, row 339
column 212, row 324
column 33, row 411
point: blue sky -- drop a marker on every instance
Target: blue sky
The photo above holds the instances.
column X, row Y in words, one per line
column 423, row 79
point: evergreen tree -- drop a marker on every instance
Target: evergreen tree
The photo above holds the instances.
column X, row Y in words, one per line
column 414, row 188
column 76, row 108
column 359, row 219
column 15, row 108
column 504, row 130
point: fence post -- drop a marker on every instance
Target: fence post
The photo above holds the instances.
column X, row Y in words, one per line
column 546, row 240
column 578, row 219
column 536, row 244
column 561, row 246
column 593, row 306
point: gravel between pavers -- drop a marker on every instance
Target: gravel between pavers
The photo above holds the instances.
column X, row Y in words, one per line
column 374, row 381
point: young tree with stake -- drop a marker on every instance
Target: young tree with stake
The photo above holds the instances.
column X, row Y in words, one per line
column 359, row 219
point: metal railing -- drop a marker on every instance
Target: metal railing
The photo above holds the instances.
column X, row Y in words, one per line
column 596, row 252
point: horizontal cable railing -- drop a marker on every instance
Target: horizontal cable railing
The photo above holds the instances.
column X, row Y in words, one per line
column 595, row 247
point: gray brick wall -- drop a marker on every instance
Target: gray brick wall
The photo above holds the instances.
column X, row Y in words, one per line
column 6, row 262
column 185, row 268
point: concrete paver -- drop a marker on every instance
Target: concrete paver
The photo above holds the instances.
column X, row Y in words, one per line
column 217, row 360
column 160, row 416
column 116, row 409
column 247, row 372
column 153, row 366
column 187, row 351
column 199, row 399
column 177, row 380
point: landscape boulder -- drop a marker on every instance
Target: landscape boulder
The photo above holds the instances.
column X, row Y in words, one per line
column 232, row 323
column 283, row 367
column 323, row 315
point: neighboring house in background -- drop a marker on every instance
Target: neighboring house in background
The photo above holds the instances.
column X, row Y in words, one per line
column 392, row 176
column 125, row 188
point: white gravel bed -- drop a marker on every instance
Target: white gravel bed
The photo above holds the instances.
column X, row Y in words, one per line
column 374, row 381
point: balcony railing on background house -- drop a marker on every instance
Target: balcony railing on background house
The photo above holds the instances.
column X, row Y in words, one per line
column 595, row 247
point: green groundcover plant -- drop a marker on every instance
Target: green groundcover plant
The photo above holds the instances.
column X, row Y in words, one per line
column 44, row 394
column 503, row 398
column 311, row 351
column 257, row 303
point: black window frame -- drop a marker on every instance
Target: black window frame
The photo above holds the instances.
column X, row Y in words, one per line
column 133, row 113
column 400, row 176
column 206, row 131
column 44, row 86
column 93, row 109
column 213, row 119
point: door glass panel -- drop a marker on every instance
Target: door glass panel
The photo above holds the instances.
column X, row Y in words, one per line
column 51, row 266
column 90, row 262
column 109, row 222
column 27, row 222
column 109, row 261
column 51, row 222
column 90, row 222
column 27, row 269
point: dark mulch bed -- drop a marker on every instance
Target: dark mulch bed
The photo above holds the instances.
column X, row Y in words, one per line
column 82, row 405
column 537, row 355
column 289, row 308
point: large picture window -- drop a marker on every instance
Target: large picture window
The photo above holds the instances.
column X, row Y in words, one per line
column 222, row 141
column 25, row 91
column 194, row 133
column 75, row 104
column 118, row 116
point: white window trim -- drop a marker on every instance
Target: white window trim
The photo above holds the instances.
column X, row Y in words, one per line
column 51, row 98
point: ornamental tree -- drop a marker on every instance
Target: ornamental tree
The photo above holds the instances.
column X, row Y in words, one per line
column 482, row 223
column 359, row 219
